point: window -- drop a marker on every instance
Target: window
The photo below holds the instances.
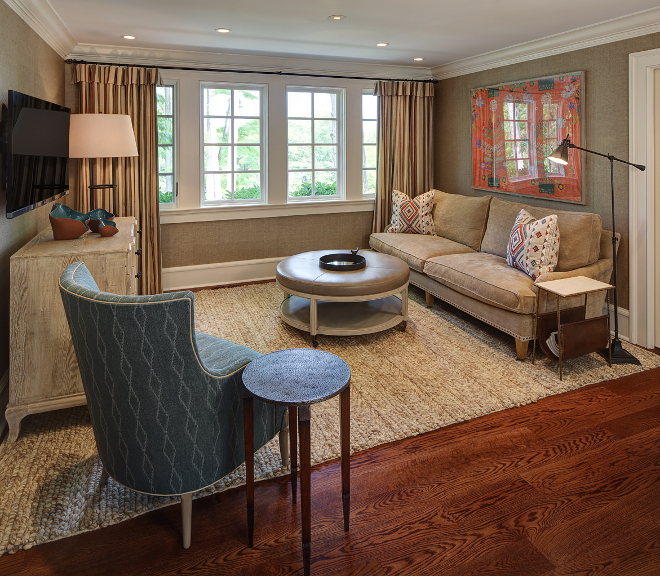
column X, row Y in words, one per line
column 167, row 153
column 233, row 143
column 369, row 141
column 551, row 130
column 314, row 143
column 517, row 127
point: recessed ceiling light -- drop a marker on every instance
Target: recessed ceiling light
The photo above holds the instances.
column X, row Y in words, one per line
column 418, row 59
column 223, row 30
column 128, row 37
column 337, row 17
column 382, row 44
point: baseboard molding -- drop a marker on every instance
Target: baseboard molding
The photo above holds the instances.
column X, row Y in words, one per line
column 4, row 400
column 219, row 274
column 624, row 322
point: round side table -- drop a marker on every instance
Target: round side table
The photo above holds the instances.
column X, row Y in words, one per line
column 298, row 378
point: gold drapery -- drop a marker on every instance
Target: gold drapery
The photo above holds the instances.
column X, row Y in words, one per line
column 405, row 144
column 132, row 91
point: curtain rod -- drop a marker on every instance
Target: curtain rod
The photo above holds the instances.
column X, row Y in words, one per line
column 276, row 73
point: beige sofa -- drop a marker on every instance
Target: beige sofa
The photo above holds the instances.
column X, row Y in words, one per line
column 465, row 263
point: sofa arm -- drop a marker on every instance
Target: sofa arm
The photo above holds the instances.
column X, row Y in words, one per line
column 600, row 270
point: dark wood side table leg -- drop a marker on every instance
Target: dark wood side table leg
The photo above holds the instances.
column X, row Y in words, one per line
column 248, row 424
column 345, row 441
column 293, row 450
column 304, row 414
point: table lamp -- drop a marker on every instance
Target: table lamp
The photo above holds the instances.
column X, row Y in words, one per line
column 101, row 136
column 560, row 156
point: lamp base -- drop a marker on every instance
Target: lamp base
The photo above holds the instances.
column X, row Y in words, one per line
column 619, row 355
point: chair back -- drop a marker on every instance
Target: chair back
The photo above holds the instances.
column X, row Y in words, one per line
column 164, row 423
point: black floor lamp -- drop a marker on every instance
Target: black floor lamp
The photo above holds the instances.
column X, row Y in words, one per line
column 560, row 155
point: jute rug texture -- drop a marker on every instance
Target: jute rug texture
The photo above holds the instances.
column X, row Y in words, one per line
column 445, row 368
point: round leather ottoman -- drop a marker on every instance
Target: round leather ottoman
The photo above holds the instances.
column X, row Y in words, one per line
column 343, row 303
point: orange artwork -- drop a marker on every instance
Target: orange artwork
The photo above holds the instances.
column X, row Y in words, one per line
column 516, row 126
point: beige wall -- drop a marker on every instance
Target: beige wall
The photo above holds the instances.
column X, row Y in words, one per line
column 605, row 114
column 29, row 65
column 191, row 243
column 656, row 172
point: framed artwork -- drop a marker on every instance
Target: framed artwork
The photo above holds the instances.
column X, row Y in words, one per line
column 515, row 126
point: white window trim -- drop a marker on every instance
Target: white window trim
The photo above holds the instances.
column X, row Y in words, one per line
column 341, row 142
column 369, row 195
column 175, row 144
column 188, row 208
column 263, row 135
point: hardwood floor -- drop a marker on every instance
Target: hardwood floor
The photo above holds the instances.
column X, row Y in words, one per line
column 569, row 485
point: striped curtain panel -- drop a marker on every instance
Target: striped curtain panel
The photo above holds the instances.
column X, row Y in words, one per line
column 132, row 91
column 405, row 144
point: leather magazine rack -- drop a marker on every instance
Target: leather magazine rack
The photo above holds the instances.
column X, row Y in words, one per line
column 578, row 335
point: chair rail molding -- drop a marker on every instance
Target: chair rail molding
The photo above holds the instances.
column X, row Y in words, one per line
column 642, row 205
column 40, row 16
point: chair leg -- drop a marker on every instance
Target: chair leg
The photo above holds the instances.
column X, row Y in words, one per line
column 104, row 478
column 521, row 348
column 284, row 447
column 186, row 518
column 429, row 299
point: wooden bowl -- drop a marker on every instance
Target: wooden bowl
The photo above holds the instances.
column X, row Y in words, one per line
column 67, row 228
column 95, row 216
column 107, row 228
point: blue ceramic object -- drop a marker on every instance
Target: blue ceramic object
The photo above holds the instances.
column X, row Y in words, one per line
column 62, row 211
column 107, row 227
column 95, row 216
column 67, row 224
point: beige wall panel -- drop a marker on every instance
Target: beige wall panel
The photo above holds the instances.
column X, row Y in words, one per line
column 29, row 65
column 194, row 243
column 606, row 120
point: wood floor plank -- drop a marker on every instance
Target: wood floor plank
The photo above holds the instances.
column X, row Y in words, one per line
column 626, row 426
column 605, row 533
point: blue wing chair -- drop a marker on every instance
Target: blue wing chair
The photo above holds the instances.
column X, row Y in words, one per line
column 165, row 402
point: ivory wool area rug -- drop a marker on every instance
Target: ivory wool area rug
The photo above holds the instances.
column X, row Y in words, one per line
column 445, row 368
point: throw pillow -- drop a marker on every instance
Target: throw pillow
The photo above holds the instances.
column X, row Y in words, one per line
column 533, row 244
column 412, row 215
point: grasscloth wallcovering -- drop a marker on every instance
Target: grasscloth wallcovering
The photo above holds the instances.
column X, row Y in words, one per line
column 194, row 243
column 29, row 65
column 605, row 115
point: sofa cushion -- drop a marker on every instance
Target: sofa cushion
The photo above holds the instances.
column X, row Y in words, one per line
column 579, row 231
column 533, row 244
column 415, row 249
column 412, row 215
column 485, row 277
column 461, row 218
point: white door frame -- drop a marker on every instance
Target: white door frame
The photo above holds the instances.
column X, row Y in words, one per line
column 642, row 208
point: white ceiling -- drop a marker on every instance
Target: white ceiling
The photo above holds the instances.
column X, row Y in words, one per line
column 440, row 31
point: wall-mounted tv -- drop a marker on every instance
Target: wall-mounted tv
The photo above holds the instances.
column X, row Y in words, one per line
column 36, row 152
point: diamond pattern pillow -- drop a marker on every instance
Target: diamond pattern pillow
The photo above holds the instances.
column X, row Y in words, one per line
column 533, row 244
column 412, row 215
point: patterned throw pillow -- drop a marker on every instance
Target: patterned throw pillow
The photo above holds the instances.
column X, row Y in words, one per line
column 412, row 215
column 533, row 244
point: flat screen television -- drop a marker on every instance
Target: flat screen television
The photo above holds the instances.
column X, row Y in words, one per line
column 36, row 153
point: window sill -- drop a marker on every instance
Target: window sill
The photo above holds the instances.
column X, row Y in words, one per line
column 179, row 215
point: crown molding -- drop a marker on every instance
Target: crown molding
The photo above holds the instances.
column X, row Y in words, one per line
column 222, row 61
column 638, row 24
column 41, row 17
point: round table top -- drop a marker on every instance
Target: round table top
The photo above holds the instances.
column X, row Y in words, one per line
column 296, row 376
column 382, row 273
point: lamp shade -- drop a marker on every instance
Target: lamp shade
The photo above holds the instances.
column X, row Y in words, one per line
column 101, row 136
column 560, row 155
